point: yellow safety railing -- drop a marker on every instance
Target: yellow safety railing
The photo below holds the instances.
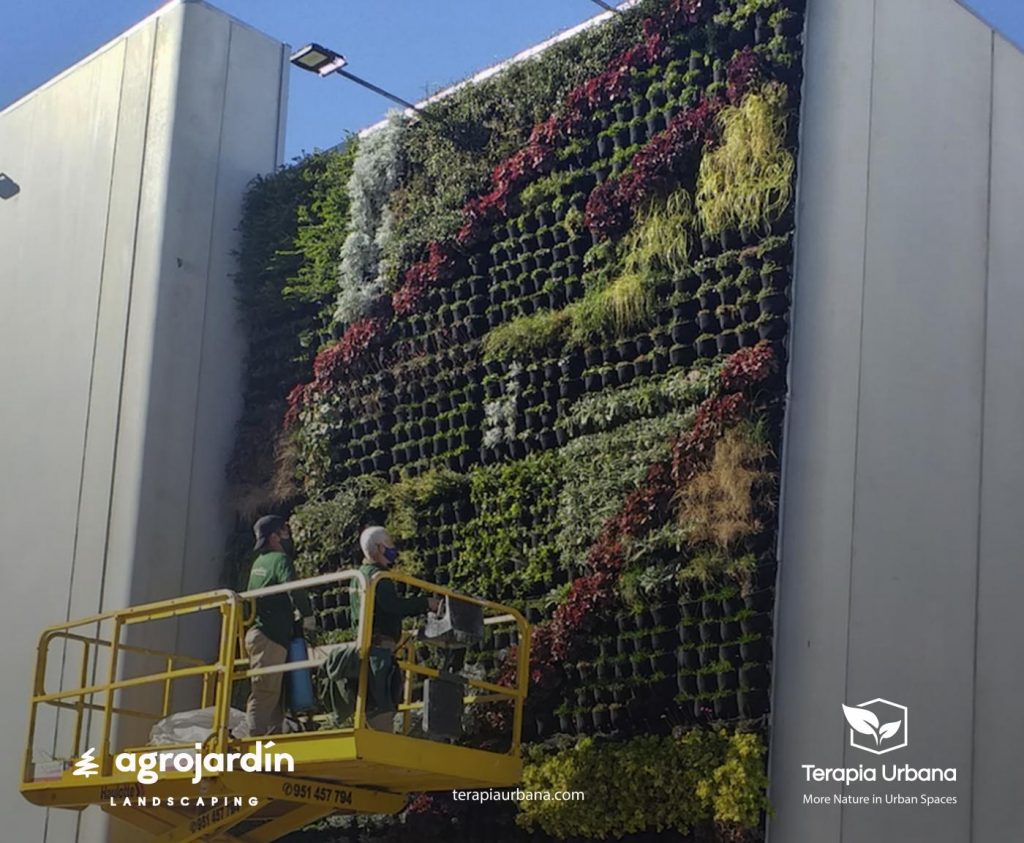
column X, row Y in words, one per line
column 514, row 695
column 103, row 633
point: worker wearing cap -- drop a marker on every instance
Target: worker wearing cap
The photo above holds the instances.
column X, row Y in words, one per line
column 266, row 642
column 380, row 554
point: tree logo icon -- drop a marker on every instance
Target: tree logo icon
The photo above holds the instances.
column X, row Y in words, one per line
column 86, row 765
column 877, row 726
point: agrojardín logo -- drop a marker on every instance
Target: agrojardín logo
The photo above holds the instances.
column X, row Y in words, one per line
column 877, row 726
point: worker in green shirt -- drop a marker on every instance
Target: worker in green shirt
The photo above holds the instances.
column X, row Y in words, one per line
column 266, row 642
column 380, row 554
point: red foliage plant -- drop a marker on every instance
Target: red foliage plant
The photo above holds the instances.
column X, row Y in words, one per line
column 744, row 72
column 440, row 266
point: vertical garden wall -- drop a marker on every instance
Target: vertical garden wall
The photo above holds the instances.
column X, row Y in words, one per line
column 542, row 336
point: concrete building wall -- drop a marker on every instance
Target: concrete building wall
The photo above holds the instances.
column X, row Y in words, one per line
column 122, row 356
column 904, row 467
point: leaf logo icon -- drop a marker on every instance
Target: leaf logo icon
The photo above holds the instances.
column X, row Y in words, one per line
column 864, row 721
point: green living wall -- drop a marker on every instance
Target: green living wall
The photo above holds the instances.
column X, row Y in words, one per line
column 542, row 337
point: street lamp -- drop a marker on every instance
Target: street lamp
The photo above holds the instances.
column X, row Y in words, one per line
column 323, row 61
column 607, row 7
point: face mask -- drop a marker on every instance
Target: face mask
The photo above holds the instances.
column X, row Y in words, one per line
column 391, row 554
column 288, row 546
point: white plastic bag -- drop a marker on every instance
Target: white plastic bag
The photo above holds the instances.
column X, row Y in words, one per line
column 195, row 727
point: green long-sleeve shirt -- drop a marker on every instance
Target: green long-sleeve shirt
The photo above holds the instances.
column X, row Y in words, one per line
column 275, row 613
column 388, row 608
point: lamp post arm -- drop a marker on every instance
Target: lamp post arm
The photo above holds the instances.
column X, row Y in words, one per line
column 376, row 90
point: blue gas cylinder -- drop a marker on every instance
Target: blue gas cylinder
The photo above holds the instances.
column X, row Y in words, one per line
column 299, row 683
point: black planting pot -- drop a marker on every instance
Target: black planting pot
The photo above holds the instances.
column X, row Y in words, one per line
column 730, row 653
column 623, row 669
column 666, row 615
column 754, row 676
column 570, row 388
column 604, row 146
column 757, row 624
column 625, row 622
column 708, row 322
column 687, row 684
column 643, row 668
column 765, row 574
column 601, row 719
column 592, row 382
column 759, row 601
column 626, row 372
column 750, row 310
column 727, row 342
column 583, row 722
column 711, row 609
column 709, row 298
column 711, row 632
column 604, row 671
column 663, row 663
column 660, row 363
column 637, row 132
column 727, row 708
column 683, row 333
column 774, row 329
column 753, row 703
column 772, row 304
column 707, row 347
column 688, row 658
column 594, row 356
column 707, row 683
column 681, row 355
column 609, row 378
column 663, row 640
column 730, row 630
column 690, row 609
column 565, row 724
column 732, row 605
column 728, row 681
column 655, row 123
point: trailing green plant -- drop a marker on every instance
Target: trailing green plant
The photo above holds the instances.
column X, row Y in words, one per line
column 408, row 501
column 604, row 468
column 746, row 181
column 525, row 336
column 648, row 784
column 326, row 531
column 508, row 547
column 678, row 390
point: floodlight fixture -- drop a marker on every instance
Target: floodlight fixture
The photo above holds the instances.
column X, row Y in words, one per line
column 324, row 62
column 606, row 6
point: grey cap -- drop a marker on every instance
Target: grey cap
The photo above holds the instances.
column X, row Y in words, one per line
column 264, row 528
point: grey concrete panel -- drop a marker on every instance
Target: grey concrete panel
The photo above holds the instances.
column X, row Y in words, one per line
column 812, row 610
column 998, row 731
column 47, row 333
column 125, row 362
column 919, row 416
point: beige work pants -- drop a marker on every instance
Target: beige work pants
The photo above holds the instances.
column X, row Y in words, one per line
column 384, row 722
column 265, row 709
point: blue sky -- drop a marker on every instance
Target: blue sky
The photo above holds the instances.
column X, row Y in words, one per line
column 410, row 47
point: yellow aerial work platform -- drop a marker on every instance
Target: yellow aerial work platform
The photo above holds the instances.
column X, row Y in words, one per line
column 354, row 769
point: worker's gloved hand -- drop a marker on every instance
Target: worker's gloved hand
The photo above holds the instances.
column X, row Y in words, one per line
column 309, row 624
